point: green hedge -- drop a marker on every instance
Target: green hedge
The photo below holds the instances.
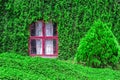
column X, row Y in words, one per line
column 99, row 47
column 73, row 17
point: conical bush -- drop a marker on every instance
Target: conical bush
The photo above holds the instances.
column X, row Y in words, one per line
column 99, row 47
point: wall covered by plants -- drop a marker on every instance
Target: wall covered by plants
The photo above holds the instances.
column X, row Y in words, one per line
column 73, row 17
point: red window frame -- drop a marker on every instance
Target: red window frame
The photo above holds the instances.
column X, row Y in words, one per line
column 43, row 37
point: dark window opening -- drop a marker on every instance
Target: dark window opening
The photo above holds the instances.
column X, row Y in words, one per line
column 33, row 46
column 54, row 29
column 33, row 29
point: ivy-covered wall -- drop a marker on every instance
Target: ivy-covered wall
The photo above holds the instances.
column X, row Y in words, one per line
column 73, row 17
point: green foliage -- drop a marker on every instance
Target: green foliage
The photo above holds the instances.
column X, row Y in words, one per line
column 73, row 18
column 16, row 67
column 99, row 47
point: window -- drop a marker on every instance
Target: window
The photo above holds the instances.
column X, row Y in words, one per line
column 43, row 39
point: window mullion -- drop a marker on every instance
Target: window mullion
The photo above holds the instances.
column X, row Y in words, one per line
column 43, row 39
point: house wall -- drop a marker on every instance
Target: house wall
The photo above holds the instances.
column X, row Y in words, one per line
column 73, row 18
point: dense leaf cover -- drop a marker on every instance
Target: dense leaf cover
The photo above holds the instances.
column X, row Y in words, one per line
column 99, row 47
column 16, row 67
column 73, row 17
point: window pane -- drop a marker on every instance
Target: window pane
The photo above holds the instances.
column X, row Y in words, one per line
column 49, row 29
column 50, row 46
column 55, row 29
column 32, row 29
column 33, row 47
column 36, row 46
column 39, row 46
column 38, row 31
column 54, row 45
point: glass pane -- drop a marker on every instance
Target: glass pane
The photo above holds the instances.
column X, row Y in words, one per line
column 32, row 29
column 38, row 31
column 49, row 29
column 54, row 45
column 54, row 29
column 36, row 46
column 39, row 46
column 50, row 46
column 33, row 47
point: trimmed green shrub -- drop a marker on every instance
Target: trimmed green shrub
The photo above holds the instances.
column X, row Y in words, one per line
column 73, row 18
column 99, row 47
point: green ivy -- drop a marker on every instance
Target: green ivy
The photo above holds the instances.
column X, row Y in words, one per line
column 73, row 17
